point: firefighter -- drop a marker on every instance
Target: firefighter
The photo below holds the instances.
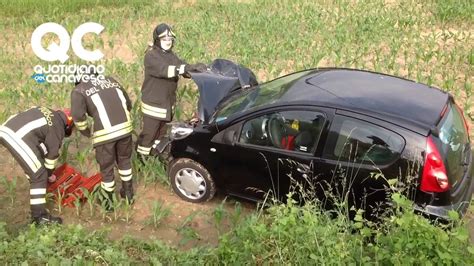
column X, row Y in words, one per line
column 162, row 70
column 34, row 138
column 106, row 101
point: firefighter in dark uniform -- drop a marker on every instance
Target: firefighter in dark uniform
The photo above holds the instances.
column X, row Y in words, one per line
column 105, row 100
column 162, row 71
column 34, row 138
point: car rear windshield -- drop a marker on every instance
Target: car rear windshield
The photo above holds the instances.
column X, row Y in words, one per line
column 264, row 94
column 454, row 144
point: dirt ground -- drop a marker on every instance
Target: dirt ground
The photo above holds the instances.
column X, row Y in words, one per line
column 187, row 225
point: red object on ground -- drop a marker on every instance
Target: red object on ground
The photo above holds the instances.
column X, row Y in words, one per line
column 70, row 185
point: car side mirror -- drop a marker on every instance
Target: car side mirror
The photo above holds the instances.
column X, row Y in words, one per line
column 229, row 137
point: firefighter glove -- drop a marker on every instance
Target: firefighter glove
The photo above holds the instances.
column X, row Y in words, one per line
column 199, row 67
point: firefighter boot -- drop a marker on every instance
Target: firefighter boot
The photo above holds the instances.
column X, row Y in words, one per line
column 45, row 219
column 126, row 192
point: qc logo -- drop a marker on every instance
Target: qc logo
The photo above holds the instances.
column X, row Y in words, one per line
column 39, row 78
column 59, row 52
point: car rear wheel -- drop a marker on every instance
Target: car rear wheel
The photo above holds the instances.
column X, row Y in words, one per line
column 191, row 181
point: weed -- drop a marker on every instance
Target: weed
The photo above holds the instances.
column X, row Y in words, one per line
column 219, row 214
column 91, row 198
column 158, row 213
column 10, row 185
column 152, row 171
column 127, row 210
column 77, row 206
column 186, row 230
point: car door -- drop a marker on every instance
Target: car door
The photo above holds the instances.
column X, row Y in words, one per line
column 267, row 153
column 359, row 156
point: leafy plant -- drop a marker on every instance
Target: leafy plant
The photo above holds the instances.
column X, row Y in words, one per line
column 9, row 183
column 91, row 198
column 186, row 230
column 219, row 214
column 158, row 213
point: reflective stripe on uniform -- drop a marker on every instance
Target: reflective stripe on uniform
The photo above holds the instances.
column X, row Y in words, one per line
column 38, row 191
column 125, row 172
column 104, row 118
column 154, row 111
column 171, row 71
column 21, row 148
column 30, row 126
column 109, row 130
column 126, row 178
column 50, row 164
column 81, row 125
column 143, row 150
column 156, row 143
column 37, row 201
column 124, row 103
column 108, row 186
column 43, row 148
column 181, row 69
column 125, row 175
column 112, row 132
column 113, row 135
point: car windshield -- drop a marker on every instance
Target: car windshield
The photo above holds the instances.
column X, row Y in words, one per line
column 264, row 94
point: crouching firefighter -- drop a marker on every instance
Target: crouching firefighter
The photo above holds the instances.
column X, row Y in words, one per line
column 105, row 100
column 162, row 71
column 34, row 138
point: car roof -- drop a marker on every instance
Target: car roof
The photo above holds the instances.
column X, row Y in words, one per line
column 416, row 105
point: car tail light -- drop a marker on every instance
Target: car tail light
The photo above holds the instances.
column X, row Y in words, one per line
column 434, row 178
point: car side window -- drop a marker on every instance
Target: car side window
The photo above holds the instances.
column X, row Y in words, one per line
column 289, row 130
column 354, row 140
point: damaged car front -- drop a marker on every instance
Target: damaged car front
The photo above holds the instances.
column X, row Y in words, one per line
column 192, row 140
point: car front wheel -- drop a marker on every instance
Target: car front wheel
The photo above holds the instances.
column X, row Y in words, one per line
column 191, row 181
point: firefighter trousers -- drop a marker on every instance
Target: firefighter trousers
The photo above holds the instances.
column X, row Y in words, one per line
column 107, row 155
column 153, row 129
column 37, row 177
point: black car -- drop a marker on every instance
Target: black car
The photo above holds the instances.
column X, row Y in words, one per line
column 342, row 132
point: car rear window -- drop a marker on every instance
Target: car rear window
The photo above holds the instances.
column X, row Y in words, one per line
column 354, row 140
column 454, row 144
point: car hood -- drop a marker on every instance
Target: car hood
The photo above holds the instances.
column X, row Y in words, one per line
column 223, row 77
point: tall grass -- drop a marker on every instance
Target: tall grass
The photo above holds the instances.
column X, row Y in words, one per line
column 272, row 38
column 61, row 7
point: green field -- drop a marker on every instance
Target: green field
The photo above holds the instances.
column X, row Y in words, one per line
column 431, row 42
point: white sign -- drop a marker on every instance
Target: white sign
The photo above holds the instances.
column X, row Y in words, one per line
column 59, row 51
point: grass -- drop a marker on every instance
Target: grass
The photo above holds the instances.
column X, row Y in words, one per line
column 10, row 185
column 61, row 7
column 286, row 234
column 158, row 214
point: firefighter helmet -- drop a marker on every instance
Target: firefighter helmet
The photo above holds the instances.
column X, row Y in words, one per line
column 69, row 122
column 164, row 37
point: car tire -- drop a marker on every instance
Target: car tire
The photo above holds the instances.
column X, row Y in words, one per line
column 191, row 181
